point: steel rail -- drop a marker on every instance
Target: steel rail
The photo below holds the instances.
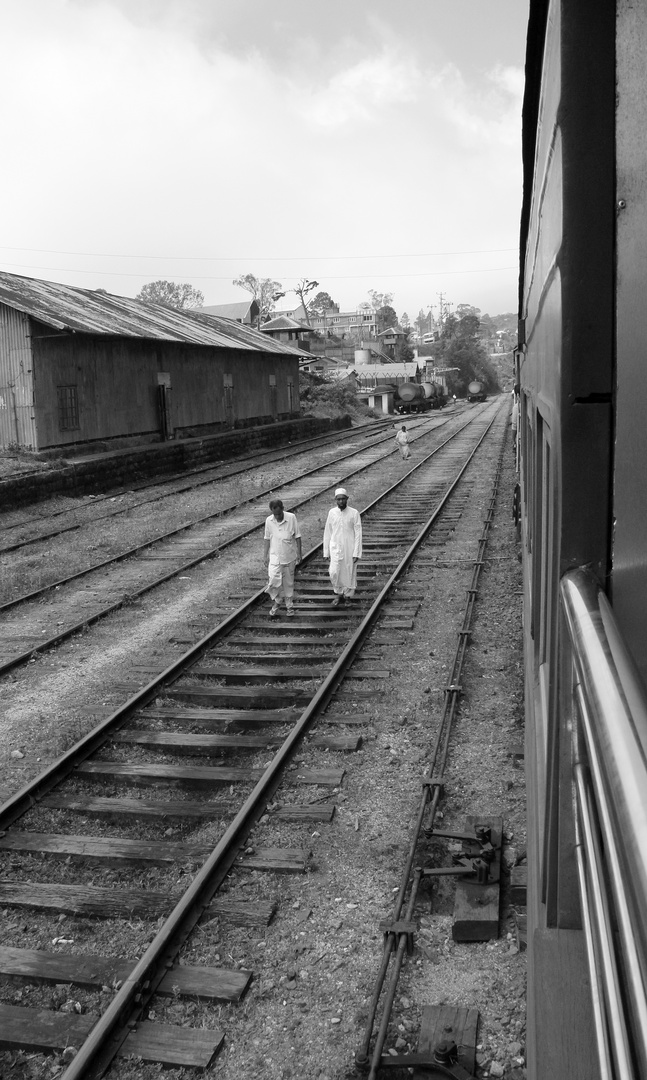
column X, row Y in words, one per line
column 112, row 1028
column 613, row 720
column 295, row 450
column 88, row 620
column 428, row 802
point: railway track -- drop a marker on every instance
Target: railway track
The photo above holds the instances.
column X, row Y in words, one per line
column 170, row 486
column 214, row 702
column 79, row 599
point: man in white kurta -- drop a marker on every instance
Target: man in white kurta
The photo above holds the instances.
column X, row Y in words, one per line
column 402, row 440
column 343, row 546
column 282, row 552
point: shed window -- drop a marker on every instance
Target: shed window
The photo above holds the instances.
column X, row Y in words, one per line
column 68, row 408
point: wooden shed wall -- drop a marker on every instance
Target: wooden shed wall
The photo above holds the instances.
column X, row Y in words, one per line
column 116, row 381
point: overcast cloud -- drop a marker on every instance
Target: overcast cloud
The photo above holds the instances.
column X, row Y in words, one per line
column 364, row 144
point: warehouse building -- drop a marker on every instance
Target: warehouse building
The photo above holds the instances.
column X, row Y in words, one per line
column 78, row 367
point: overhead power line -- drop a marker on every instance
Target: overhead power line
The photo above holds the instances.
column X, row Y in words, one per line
column 215, row 277
column 261, row 258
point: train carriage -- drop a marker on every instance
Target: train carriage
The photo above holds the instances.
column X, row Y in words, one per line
column 583, row 479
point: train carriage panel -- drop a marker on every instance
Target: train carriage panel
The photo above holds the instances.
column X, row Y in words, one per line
column 629, row 584
column 566, row 375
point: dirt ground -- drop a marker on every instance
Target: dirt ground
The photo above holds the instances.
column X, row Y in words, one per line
column 315, row 964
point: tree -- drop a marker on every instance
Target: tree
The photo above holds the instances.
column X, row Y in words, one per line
column 321, row 303
column 380, row 299
column 170, row 294
column 467, row 309
column 423, row 323
column 265, row 291
column 403, row 351
column 459, row 347
column 385, row 318
column 405, row 321
column 302, row 289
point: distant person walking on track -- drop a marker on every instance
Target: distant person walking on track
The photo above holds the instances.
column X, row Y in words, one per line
column 343, row 546
column 282, row 552
column 402, row 440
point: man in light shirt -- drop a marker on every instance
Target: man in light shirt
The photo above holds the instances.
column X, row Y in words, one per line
column 282, row 552
column 343, row 546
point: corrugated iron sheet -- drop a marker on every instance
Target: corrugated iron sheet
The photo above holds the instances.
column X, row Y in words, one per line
column 17, row 423
column 85, row 311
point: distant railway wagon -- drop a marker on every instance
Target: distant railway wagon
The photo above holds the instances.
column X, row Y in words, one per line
column 79, row 367
column 583, row 493
column 476, row 391
column 413, row 397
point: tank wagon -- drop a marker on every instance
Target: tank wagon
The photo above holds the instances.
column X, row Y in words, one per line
column 583, row 489
column 476, row 391
column 413, row 397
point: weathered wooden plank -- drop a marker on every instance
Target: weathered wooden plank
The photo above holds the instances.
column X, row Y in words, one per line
column 105, row 849
column 441, row 1023
column 278, row 860
column 43, row 1029
column 194, row 775
column 172, row 775
column 320, row 812
column 342, row 743
column 242, row 912
column 205, row 744
column 358, row 693
column 38, row 1030
column 260, row 674
column 34, row 965
column 251, row 642
column 288, row 626
column 220, row 717
column 245, row 717
column 249, row 697
column 195, row 744
column 174, row 1047
column 476, row 907
column 158, row 808
column 323, row 777
column 88, row 900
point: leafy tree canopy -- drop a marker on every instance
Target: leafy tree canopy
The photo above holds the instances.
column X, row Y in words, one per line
column 385, row 318
column 265, row 291
column 170, row 294
column 321, row 303
column 380, row 299
column 467, row 309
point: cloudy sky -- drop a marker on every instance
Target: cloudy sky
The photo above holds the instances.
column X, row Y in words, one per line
column 362, row 143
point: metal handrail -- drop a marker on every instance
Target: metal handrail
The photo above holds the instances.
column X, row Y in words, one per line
column 611, row 790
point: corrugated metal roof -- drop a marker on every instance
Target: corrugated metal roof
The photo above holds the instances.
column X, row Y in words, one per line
column 230, row 311
column 282, row 322
column 84, row 311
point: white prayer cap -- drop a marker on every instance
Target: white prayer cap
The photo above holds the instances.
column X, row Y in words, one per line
column 341, row 491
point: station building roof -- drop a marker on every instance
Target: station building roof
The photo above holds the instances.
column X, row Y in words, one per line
column 86, row 311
